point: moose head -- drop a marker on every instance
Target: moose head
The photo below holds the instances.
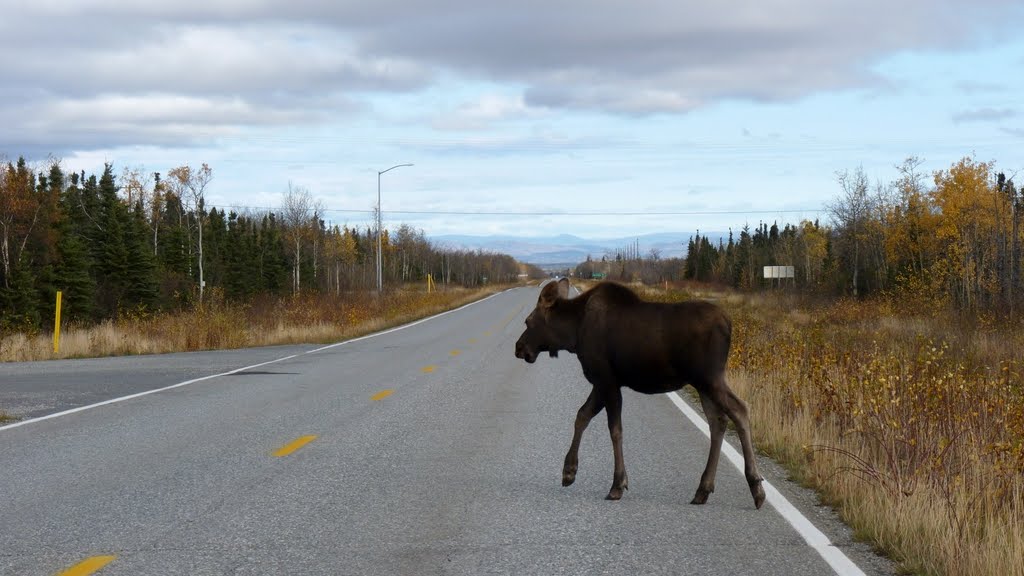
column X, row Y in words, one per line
column 547, row 328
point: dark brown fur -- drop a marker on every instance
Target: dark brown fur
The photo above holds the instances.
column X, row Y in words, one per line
column 652, row 348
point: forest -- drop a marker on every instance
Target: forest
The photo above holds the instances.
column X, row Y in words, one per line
column 140, row 243
column 145, row 242
column 950, row 240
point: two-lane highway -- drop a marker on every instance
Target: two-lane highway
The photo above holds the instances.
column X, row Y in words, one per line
column 428, row 449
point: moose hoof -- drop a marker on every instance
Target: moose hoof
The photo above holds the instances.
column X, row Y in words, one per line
column 758, row 493
column 701, row 497
column 614, row 494
column 568, row 479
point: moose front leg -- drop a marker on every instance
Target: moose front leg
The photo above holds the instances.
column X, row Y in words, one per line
column 585, row 414
column 620, row 481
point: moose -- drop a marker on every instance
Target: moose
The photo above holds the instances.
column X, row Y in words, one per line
column 621, row 340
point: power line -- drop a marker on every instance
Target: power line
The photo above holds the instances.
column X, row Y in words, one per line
column 657, row 213
column 554, row 213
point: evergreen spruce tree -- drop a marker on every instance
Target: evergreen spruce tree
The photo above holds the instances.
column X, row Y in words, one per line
column 214, row 248
column 744, row 249
column 89, row 210
column 141, row 286
column 690, row 267
column 72, row 277
column 239, row 265
column 274, row 264
column 173, row 259
column 45, row 288
column 706, row 259
column 74, row 274
column 18, row 302
column 174, row 246
column 42, row 244
column 112, row 247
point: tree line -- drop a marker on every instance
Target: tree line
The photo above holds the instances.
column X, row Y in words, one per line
column 952, row 238
column 144, row 242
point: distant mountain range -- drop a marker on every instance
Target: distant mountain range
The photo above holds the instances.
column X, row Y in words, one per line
column 570, row 250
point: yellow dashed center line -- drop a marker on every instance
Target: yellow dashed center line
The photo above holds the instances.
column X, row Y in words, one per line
column 455, row 352
column 508, row 320
column 488, row 333
column 88, row 566
column 294, row 445
column 472, row 340
column 382, row 394
column 429, row 369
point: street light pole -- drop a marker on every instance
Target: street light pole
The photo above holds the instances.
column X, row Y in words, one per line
column 380, row 275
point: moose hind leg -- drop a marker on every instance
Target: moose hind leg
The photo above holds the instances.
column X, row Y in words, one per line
column 620, row 481
column 716, row 422
column 586, row 413
column 737, row 411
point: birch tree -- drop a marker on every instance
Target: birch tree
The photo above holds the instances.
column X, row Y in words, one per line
column 297, row 210
column 191, row 183
column 850, row 212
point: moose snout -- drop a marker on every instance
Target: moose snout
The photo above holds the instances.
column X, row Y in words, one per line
column 524, row 353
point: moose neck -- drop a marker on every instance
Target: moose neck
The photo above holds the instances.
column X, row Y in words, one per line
column 566, row 317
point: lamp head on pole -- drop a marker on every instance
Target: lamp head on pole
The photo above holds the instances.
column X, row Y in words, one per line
column 392, row 168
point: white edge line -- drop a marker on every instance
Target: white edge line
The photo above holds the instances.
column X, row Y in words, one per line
column 228, row 373
column 815, row 538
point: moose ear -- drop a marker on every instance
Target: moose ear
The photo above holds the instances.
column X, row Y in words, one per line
column 563, row 287
column 551, row 292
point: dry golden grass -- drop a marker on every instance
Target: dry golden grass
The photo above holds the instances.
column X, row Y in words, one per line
column 910, row 424
column 219, row 325
column 913, row 430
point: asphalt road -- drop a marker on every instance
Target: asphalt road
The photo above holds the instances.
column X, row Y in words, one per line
column 426, row 450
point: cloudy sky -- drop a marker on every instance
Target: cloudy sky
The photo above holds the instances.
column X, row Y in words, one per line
column 594, row 117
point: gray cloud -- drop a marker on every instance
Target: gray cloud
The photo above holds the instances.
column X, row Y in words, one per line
column 601, row 55
column 130, row 72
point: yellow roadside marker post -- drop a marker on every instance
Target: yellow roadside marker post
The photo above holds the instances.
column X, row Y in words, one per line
column 56, row 326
